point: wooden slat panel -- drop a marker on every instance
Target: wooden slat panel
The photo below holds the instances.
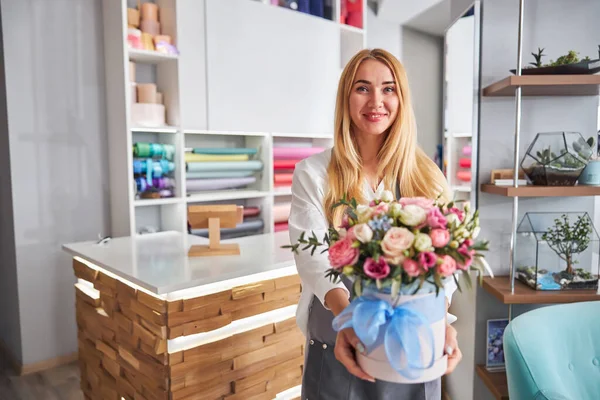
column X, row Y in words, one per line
column 265, row 307
column 174, row 306
column 285, row 325
column 152, row 302
column 157, row 330
column 285, row 281
column 203, row 393
column 148, row 314
column 85, row 298
column 84, row 272
column 282, row 293
column 220, row 297
column 206, row 325
column 259, row 388
column 291, row 336
column 235, row 305
column 106, row 350
column 180, row 318
column 252, row 288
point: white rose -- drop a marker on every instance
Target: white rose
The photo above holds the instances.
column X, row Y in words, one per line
column 422, row 242
column 363, row 233
column 387, row 196
column 461, row 233
column 452, row 219
column 476, row 232
column 412, row 215
column 395, row 209
column 363, row 212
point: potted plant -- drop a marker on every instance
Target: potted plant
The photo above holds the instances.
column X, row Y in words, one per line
column 556, row 159
column 591, row 173
column 569, row 63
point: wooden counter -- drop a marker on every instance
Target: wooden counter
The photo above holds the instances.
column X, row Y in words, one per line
column 232, row 341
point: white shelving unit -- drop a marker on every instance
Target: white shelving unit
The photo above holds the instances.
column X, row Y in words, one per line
column 184, row 82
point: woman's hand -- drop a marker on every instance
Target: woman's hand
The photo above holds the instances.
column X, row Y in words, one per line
column 346, row 345
column 451, row 348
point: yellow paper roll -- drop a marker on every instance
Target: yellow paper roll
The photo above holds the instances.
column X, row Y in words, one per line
column 133, row 17
column 191, row 157
column 147, row 42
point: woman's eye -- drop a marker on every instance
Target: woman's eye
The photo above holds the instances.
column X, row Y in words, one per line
column 390, row 89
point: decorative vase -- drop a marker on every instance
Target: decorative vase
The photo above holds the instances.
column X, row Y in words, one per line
column 591, row 174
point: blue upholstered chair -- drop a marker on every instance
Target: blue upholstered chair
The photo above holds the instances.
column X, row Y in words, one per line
column 553, row 353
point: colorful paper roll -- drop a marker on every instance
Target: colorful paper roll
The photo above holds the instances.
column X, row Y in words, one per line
column 294, row 153
column 198, row 185
column 146, row 93
column 218, row 174
column 224, row 150
column 191, row 157
column 283, row 178
column 151, row 27
column 157, row 168
column 467, row 150
column 282, row 226
column 251, row 212
column 133, row 18
column 149, row 12
column 246, row 226
column 252, row 165
column 285, row 164
column 464, row 162
column 149, row 150
column 281, row 212
column 158, row 183
column 463, row 176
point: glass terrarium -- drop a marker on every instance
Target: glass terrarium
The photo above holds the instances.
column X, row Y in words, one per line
column 557, row 251
column 556, row 158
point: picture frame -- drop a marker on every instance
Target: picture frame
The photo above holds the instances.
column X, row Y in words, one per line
column 494, row 360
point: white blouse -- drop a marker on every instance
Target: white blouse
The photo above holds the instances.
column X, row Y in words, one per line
column 307, row 214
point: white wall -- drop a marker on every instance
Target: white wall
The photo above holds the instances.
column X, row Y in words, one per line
column 383, row 34
column 10, row 330
column 53, row 54
column 422, row 58
column 544, row 114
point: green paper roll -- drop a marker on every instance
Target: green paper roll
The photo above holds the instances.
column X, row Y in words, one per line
column 224, row 150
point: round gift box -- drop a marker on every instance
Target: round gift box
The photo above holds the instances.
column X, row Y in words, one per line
column 376, row 362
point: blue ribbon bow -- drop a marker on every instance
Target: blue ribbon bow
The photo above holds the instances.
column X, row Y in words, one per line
column 375, row 321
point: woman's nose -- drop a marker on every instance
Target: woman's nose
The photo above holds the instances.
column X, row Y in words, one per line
column 376, row 100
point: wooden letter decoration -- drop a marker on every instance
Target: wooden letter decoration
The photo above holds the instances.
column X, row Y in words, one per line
column 214, row 217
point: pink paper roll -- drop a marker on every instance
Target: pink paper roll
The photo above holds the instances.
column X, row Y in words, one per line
column 282, row 226
column 283, row 178
column 251, row 212
column 281, row 212
column 463, row 176
column 282, row 153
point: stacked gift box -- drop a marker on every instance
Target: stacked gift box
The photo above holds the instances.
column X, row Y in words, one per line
column 153, row 168
column 220, row 168
column 251, row 225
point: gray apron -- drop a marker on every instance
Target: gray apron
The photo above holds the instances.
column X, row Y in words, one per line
column 325, row 378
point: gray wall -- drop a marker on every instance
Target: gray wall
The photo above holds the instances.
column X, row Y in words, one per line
column 422, row 56
column 10, row 330
column 383, row 34
column 544, row 114
column 53, row 54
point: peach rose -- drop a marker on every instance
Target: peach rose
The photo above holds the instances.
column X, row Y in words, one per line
column 341, row 253
column 411, row 267
column 395, row 241
column 439, row 237
column 446, row 265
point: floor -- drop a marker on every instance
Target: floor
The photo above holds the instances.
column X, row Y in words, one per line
column 60, row 383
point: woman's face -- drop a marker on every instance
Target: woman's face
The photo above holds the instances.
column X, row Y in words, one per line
column 374, row 100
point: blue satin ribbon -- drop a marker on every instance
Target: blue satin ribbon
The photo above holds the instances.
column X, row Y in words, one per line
column 376, row 322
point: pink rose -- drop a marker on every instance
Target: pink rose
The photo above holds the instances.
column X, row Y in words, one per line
column 418, row 201
column 411, row 267
column 464, row 251
column 468, row 242
column 459, row 213
column 436, row 219
column 345, row 221
column 395, row 241
column 446, row 265
column 427, row 259
column 380, row 209
column 350, row 234
column 439, row 237
column 376, row 269
column 341, row 253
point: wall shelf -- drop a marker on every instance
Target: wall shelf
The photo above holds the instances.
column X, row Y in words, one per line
column 226, row 195
column 495, row 381
column 165, row 129
column 499, row 287
column 546, row 85
column 157, row 202
column 150, row 57
column 540, row 191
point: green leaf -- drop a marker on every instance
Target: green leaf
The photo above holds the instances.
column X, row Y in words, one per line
column 396, row 285
column 457, row 283
column 358, row 286
column 468, row 280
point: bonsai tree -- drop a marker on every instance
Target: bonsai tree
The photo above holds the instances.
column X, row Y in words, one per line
column 568, row 240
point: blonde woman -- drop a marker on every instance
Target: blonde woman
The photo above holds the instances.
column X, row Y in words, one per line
column 375, row 147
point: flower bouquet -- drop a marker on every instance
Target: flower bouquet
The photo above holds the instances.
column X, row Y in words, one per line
column 400, row 255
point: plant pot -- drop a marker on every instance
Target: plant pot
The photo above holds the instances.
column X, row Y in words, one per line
column 376, row 362
column 552, row 176
column 591, row 174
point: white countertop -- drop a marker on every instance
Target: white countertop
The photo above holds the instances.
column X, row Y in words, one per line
column 159, row 263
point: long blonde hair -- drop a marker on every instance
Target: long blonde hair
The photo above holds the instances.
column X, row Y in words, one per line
column 400, row 160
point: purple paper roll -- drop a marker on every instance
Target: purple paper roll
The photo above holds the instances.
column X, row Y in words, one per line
column 197, row 185
column 281, row 153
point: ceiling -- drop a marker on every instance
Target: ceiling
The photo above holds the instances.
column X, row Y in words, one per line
column 429, row 16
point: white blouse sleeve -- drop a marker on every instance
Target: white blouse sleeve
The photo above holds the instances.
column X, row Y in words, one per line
column 307, row 215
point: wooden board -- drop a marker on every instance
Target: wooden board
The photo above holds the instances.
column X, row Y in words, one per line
column 541, row 191
column 546, row 85
column 495, row 381
column 499, row 287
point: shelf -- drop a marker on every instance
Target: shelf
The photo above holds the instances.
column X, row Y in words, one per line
column 304, row 135
column 546, row 85
column 165, row 129
column 223, row 133
column 499, row 287
column 285, row 191
column 459, row 188
column 541, row 191
column 157, row 202
column 225, row 195
column 150, row 57
column 459, row 135
column 496, row 382
column 352, row 29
